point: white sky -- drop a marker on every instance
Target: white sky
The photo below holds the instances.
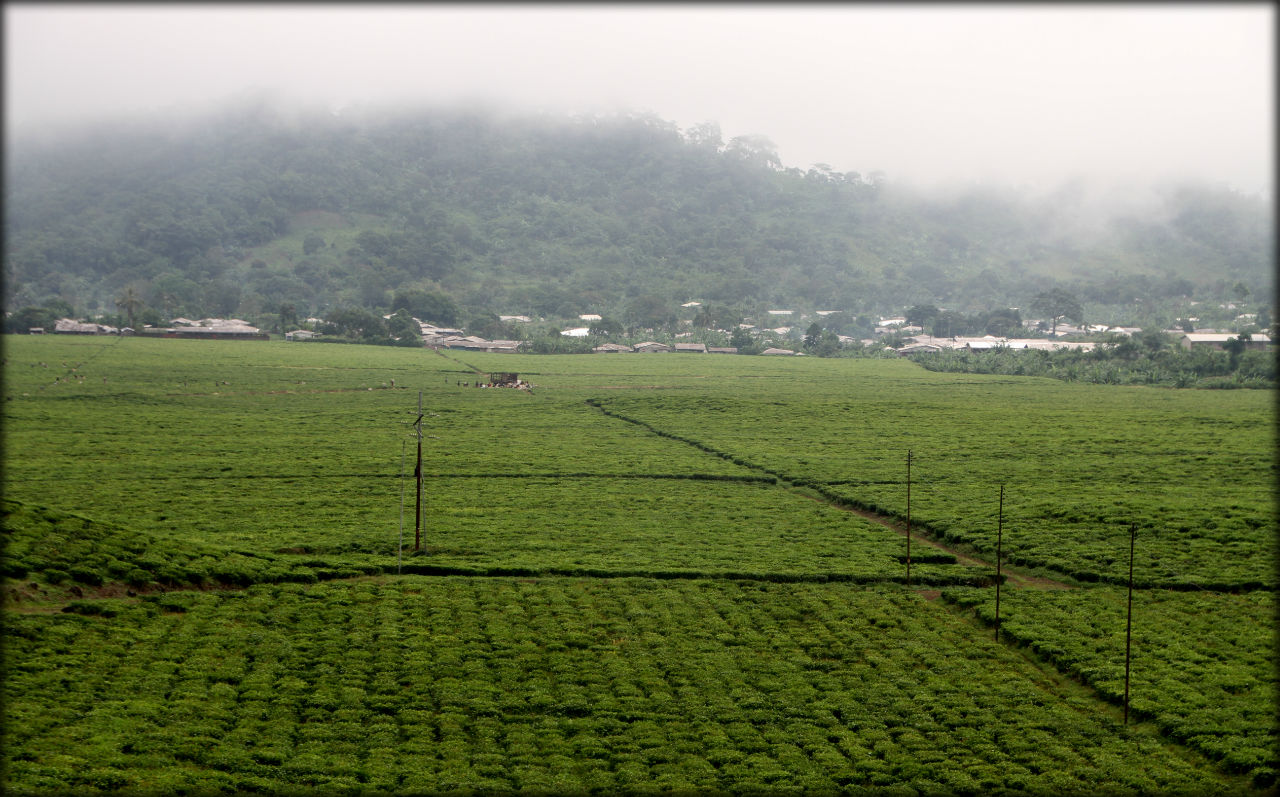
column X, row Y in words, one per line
column 1026, row 95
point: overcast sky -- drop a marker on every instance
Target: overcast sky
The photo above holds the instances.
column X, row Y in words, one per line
column 1026, row 95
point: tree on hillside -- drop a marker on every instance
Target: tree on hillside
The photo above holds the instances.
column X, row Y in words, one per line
column 744, row 342
column 288, row 317
column 605, row 327
column 649, row 311
column 30, row 317
column 716, row 317
column 949, row 323
column 1058, row 304
column 1001, row 322
column 1236, row 346
column 1153, row 340
column 355, row 322
column 813, row 336
column 921, row 314
column 705, row 135
column 430, row 306
column 755, row 149
column 404, row 329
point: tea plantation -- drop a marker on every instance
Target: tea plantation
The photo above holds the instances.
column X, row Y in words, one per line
column 648, row 573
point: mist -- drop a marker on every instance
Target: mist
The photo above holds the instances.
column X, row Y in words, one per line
column 936, row 98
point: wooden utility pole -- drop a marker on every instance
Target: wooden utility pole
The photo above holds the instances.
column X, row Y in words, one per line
column 908, row 517
column 999, row 539
column 417, row 477
column 1128, row 623
column 400, row 542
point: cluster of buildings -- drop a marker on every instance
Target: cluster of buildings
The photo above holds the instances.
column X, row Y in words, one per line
column 209, row 328
column 1187, row 340
column 206, row 328
column 442, row 338
column 914, row 342
column 652, row 347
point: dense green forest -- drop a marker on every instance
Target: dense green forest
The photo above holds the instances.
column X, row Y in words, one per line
column 258, row 214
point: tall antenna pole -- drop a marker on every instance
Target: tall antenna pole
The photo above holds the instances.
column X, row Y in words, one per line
column 999, row 539
column 1128, row 623
column 908, row 517
column 417, row 476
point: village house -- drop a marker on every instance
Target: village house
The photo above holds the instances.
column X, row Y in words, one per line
column 611, row 348
column 699, row 348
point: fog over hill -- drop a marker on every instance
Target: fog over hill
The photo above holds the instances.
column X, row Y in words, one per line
column 548, row 215
column 1029, row 96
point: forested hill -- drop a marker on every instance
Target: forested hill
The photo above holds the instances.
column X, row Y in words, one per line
column 246, row 211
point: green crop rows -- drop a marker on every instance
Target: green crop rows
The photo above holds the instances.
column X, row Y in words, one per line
column 1203, row 666
column 650, row 572
column 557, row 685
column 1079, row 465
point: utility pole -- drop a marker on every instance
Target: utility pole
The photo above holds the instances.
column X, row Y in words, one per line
column 908, row 517
column 1128, row 623
column 400, row 543
column 417, row 476
column 999, row 539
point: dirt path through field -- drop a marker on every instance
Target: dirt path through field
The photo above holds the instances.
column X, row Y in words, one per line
column 1013, row 576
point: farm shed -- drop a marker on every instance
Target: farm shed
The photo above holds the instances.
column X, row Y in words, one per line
column 698, row 348
column 651, row 346
column 206, row 333
column 1215, row 340
column 722, row 350
column 772, row 350
column 918, row 348
column 503, row 346
column 66, row 326
column 611, row 348
column 468, row 343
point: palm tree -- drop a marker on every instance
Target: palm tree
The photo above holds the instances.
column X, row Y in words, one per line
column 130, row 303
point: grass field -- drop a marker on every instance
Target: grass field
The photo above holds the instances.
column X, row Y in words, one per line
column 649, row 572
